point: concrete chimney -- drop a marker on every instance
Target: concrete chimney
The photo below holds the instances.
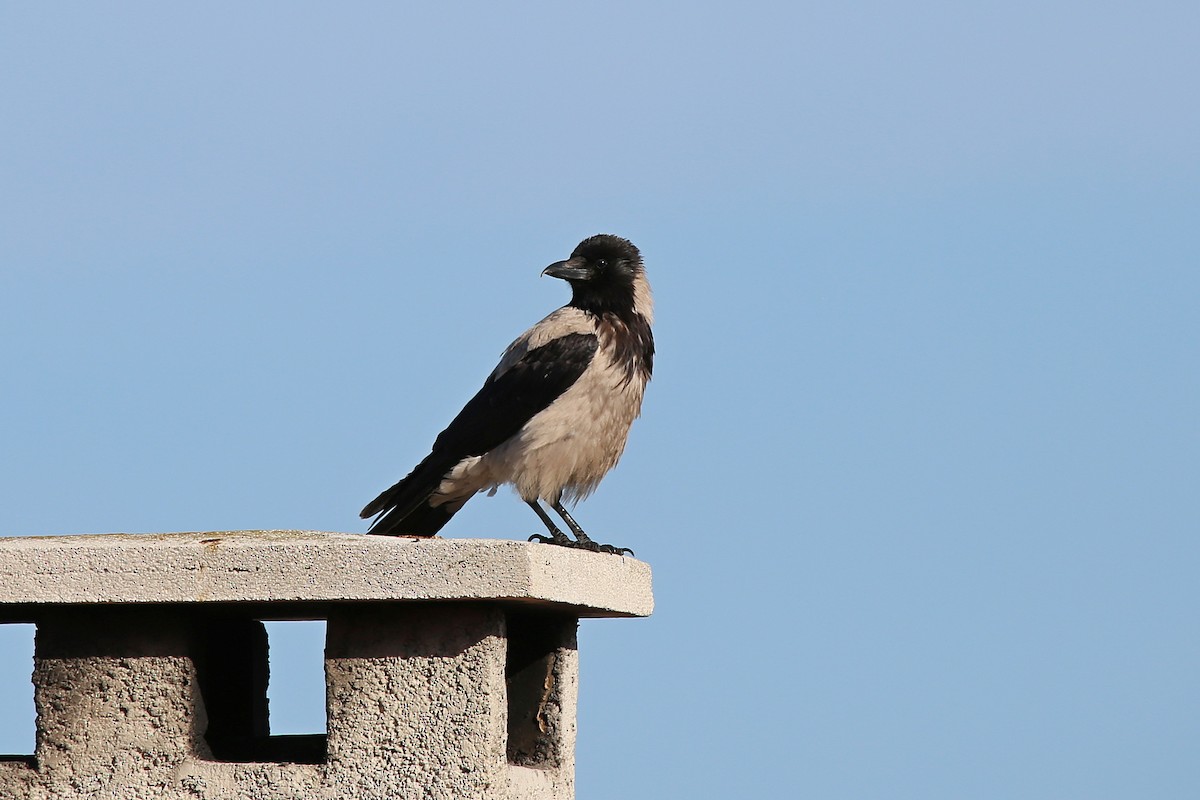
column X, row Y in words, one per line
column 451, row 667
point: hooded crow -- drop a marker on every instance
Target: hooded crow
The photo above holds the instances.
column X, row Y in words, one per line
column 553, row 417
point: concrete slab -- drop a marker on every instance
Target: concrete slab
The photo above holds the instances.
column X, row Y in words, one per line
column 314, row 566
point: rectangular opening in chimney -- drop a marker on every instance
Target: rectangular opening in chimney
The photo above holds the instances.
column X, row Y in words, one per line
column 296, row 689
column 242, row 665
column 17, row 717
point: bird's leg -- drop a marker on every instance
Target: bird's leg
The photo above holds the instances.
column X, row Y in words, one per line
column 571, row 523
column 556, row 536
column 584, row 541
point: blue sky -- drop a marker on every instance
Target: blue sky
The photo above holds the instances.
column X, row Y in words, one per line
column 917, row 470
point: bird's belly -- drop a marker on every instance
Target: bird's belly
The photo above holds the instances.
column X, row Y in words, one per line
column 567, row 448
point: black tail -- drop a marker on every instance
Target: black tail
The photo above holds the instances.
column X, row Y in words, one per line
column 424, row 520
column 404, row 508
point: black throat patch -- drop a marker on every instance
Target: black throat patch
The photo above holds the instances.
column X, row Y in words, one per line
column 629, row 338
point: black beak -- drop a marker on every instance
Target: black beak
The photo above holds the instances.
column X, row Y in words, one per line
column 573, row 269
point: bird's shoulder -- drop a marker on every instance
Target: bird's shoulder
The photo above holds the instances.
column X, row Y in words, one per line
column 556, row 325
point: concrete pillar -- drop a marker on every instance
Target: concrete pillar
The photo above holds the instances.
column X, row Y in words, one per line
column 115, row 693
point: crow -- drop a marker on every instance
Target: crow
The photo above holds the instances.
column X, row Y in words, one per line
column 553, row 417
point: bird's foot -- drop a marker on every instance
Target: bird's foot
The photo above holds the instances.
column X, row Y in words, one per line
column 586, row 543
column 556, row 537
column 583, row 543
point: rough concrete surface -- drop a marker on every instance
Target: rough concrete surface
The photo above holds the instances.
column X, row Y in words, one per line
column 235, row 566
column 469, row 693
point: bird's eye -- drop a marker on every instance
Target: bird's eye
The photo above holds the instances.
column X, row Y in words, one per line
column 601, row 263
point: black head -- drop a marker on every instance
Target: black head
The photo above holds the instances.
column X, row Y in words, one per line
column 602, row 271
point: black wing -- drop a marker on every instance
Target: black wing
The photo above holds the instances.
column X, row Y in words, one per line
column 506, row 403
column 494, row 415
